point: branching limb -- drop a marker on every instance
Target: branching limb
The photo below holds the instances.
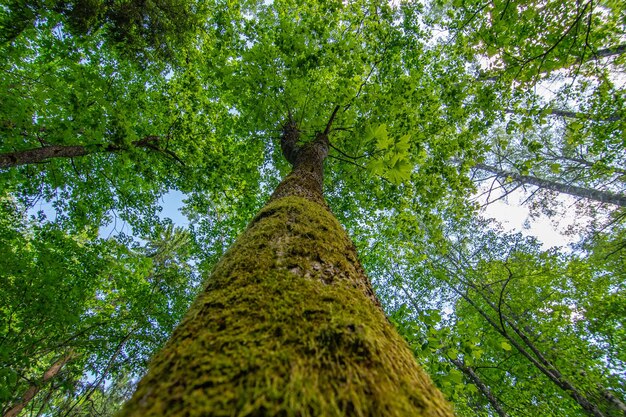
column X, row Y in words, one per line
column 330, row 121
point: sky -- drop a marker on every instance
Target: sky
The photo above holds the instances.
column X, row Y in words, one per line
column 511, row 216
column 515, row 217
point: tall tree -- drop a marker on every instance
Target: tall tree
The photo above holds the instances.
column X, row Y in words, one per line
column 517, row 336
column 99, row 114
column 288, row 322
column 424, row 90
column 560, row 97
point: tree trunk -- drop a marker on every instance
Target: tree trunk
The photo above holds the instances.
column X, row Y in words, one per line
column 288, row 324
column 616, row 407
column 591, row 194
column 574, row 115
column 30, row 393
column 482, row 387
column 607, row 52
column 600, row 53
column 539, row 360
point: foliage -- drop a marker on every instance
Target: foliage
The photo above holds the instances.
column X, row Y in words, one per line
column 139, row 128
column 508, row 304
column 102, row 303
column 143, row 31
column 191, row 96
column 560, row 97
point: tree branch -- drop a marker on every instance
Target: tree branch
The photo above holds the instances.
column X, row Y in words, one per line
column 30, row 393
column 48, row 152
column 597, row 195
column 330, row 121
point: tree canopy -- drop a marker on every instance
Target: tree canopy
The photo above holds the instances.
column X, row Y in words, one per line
column 439, row 108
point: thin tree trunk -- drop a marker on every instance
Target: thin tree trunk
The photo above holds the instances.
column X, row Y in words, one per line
column 607, row 52
column 540, row 361
column 288, row 324
column 94, row 386
column 45, row 153
column 600, row 53
column 30, row 393
column 469, row 372
column 574, row 115
column 596, row 195
column 613, row 402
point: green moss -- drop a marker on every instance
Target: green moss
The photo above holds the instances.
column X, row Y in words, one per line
column 287, row 326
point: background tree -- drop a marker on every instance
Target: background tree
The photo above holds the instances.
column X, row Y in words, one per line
column 79, row 311
column 559, row 98
column 92, row 130
column 517, row 331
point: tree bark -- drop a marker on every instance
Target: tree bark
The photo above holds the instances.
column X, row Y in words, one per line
column 30, row 393
column 616, row 406
column 288, row 324
column 575, row 115
column 471, row 374
column 45, row 153
column 591, row 194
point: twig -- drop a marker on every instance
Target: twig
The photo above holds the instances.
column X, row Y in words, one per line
column 347, row 161
column 345, row 154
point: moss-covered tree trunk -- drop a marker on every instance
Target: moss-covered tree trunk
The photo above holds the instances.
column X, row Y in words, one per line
column 288, row 324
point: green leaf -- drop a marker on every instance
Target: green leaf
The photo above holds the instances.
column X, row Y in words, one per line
column 403, row 145
column 380, row 132
column 400, row 171
column 555, row 168
column 456, row 377
column 376, row 166
column 471, row 388
column 477, row 353
column 452, row 354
